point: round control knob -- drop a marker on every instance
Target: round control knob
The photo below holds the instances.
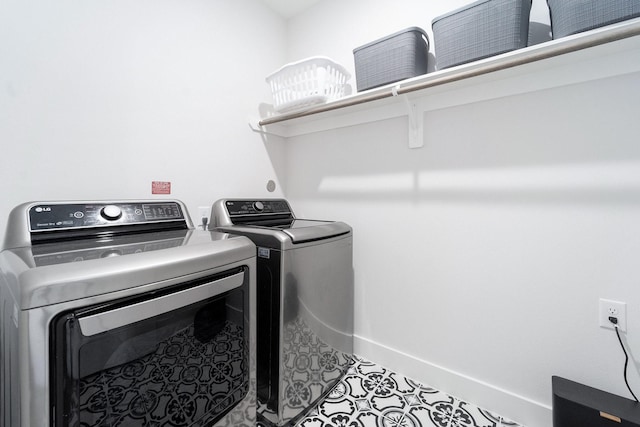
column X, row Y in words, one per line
column 259, row 206
column 111, row 212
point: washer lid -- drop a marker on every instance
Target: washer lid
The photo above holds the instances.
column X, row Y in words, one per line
column 306, row 230
column 295, row 230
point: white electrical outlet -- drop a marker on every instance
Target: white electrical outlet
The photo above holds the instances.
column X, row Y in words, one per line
column 617, row 309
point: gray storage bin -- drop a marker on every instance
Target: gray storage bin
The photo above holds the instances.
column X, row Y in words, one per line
column 574, row 16
column 396, row 57
column 479, row 30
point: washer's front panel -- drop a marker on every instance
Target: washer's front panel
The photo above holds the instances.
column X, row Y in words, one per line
column 268, row 265
column 317, row 328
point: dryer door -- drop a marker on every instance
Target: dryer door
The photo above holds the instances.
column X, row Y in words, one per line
column 176, row 357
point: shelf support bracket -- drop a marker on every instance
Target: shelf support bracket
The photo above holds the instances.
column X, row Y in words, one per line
column 415, row 119
column 254, row 124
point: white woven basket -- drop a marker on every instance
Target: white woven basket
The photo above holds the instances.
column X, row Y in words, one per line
column 308, row 82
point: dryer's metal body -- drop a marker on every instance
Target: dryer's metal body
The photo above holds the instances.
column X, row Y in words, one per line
column 103, row 313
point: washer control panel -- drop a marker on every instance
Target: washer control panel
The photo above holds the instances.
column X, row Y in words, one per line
column 257, row 207
column 48, row 217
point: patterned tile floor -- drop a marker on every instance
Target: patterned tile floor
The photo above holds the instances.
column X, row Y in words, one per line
column 373, row 396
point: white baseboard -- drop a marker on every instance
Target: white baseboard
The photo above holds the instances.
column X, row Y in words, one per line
column 507, row 404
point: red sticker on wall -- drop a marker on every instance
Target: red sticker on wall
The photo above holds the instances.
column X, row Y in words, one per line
column 160, row 187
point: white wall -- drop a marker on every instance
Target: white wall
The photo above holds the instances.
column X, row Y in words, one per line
column 99, row 99
column 481, row 257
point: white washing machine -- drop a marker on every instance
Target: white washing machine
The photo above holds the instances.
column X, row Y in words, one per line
column 120, row 313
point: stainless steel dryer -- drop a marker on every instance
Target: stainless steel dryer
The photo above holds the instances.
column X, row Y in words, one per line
column 121, row 313
column 305, row 302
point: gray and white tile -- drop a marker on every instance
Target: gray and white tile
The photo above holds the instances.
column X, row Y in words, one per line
column 370, row 395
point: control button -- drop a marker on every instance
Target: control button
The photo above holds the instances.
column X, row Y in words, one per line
column 78, row 214
column 138, row 211
column 111, row 212
column 259, row 206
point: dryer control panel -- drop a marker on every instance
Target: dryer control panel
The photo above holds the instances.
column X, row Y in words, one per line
column 51, row 216
column 54, row 221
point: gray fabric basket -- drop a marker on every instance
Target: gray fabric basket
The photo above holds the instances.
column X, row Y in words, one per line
column 574, row 16
column 396, row 57
column 479, row 30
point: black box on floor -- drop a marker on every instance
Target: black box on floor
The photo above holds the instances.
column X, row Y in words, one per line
column 578, row 405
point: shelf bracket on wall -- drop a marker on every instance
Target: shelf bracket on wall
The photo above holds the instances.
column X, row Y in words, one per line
column 415, row 119
column 254, row 124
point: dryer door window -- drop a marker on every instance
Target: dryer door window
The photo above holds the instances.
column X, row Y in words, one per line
column 177, row 357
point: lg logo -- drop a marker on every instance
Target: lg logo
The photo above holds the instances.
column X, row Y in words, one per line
column 43, row 209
